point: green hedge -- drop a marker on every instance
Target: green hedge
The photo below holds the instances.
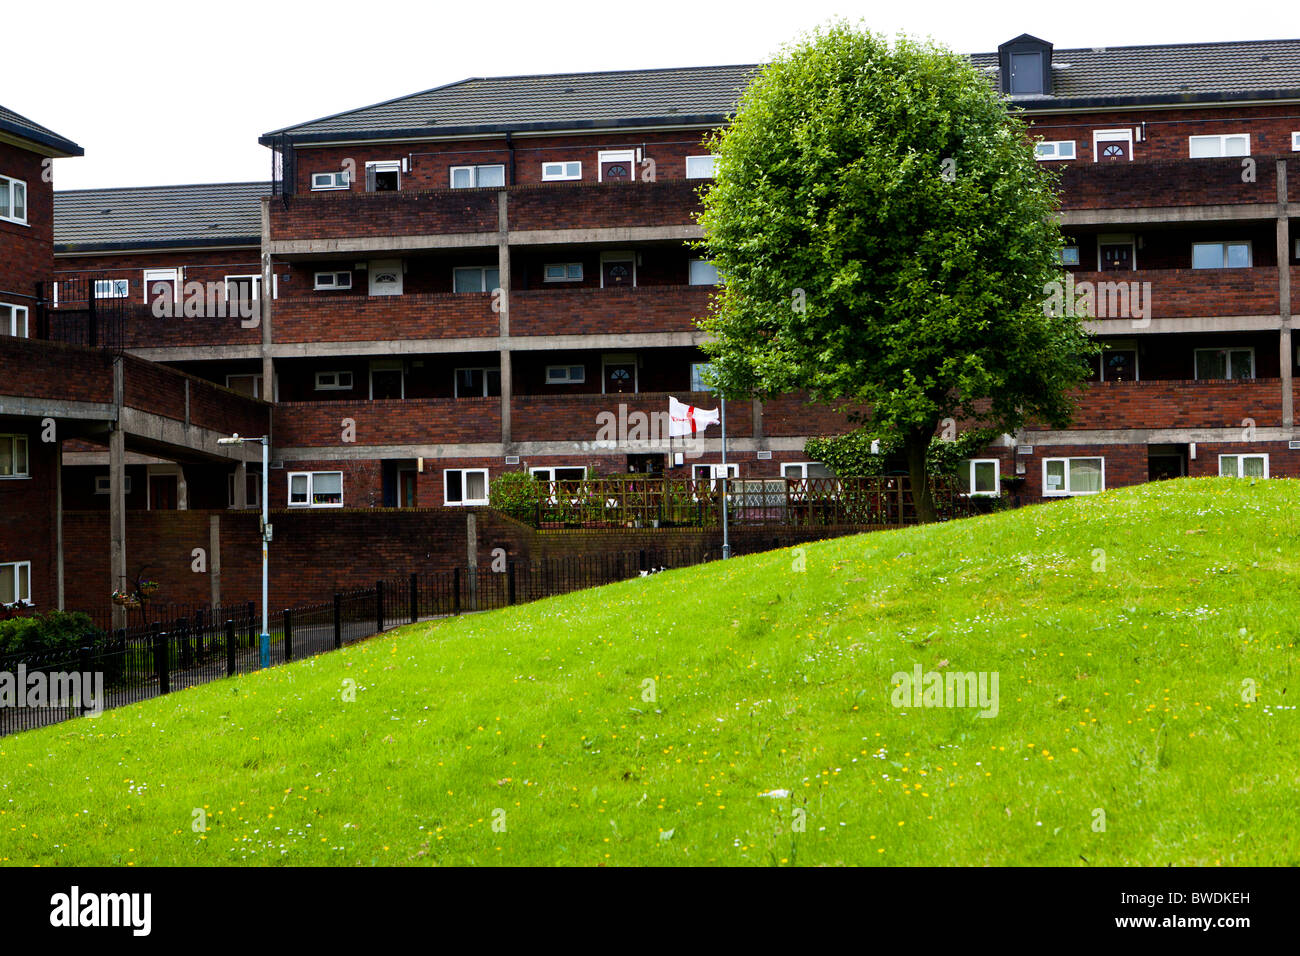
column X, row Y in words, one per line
column 52, row 631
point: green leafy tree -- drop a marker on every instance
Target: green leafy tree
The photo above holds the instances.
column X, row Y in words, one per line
column 886, row 240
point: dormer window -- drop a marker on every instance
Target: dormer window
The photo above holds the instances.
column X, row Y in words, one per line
column 1026, row 66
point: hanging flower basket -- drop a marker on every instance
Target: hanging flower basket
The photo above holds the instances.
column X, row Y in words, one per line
column 147, row 588
column 126, row 599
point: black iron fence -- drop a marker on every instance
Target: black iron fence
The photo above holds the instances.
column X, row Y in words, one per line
column 168, row 653
column 86, row 310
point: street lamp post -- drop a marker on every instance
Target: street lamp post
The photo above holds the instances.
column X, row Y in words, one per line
column 726, row 540
column 264, row 651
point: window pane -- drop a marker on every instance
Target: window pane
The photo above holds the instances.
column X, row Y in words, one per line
column 475, row 486
column 986, row 476
column 467, row 280
column 1085, row 474
column 6, row 456
column 462, row 178
column 1238, row 255
column 570, row 474
column 493, row 377
column 20, row 456
column 1228, row 466
column 575, row 270
column 1240, row 364
column 1207, row 255
column 1252, row 466
column 1211, row 363
column 297, row 489
column 4, row 197
column 703, row 273
column 24, row 585
column 1055, row 476
column 491, row 175
column 327, row 488
column 454, row 493
column 1235, row 146
column 7, row 581
column 491, row 279
column 1203, row 146
column 20, row 201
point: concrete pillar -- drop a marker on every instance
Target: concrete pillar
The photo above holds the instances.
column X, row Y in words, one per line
column 1285, row 348
column 214, row 558
column 241, row 485
column 503, row 270
column 117, row 492
column 268, row 294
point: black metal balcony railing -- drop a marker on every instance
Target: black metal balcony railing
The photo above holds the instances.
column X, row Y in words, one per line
column 81, row 311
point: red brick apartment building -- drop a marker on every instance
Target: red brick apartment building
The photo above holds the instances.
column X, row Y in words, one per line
column 463, row 280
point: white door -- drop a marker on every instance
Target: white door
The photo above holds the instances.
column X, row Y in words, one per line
column 385, row 276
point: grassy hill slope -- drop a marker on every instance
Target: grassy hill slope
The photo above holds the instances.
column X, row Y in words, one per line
column 643, row 723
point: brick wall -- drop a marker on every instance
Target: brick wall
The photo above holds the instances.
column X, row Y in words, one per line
column 576, row 417
column 1178, row 293
column 352, row 214
column 393, row 422
column 671, row 308
column 792, row 415
column 26, row 251
column 354, row 318
column 1178, row 404
column 605, row 205
column 27, row 505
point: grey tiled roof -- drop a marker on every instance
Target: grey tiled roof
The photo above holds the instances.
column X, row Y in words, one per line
column 158, row 216
column 18, row 125
column 1192, row 72
column 1182, row 71
column 560, row 100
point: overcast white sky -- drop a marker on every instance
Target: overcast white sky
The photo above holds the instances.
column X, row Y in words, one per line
column 173, row 92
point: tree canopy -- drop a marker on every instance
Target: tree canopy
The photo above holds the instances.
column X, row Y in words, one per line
column 885, row 238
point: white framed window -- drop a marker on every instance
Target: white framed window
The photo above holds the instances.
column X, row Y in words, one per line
column 805, row 469
column 701, row 167
column 475, row 279
column 554, row 171
column 465, row 486
column 1073, row 476
column 249, row 384
column 384, row 176
column 1054, row 149
column 13, row 320
column 252, row 489
column 1226, row 144
column 1229, row 363
column 16, row 582
column 248, row 288
column 338, row 180
column 559, row 473
column 702, row 272
column 1295, row 142
column 1112, row 144
column 161, row 283
column 332, row 280
column 333, row 381
column 562, row 272
column 13, row 457
column 111, row 288
column 315, row 489
column 13, row 200
column 981, row 476
column 698, row 372
column 1243, row 466
column 1221, row 255
column 713, row 473
column 565, row 374
column 1070, row 255
column 477, row 177
column 482, row 382
column 103, row 484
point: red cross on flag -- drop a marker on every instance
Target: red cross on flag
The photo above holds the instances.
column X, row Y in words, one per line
column 687, row 419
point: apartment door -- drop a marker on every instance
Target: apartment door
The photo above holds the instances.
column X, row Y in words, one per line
column 386, row 277
column 1112, row 145
column 619, row 373
column 617, row 272
column 162, row 492
column 1117, row 257
column 387, row 379
column 1166, row 461
column 406, row 488
column 617, row 165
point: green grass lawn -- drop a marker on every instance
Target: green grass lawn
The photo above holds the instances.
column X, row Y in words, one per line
column 1122, row 628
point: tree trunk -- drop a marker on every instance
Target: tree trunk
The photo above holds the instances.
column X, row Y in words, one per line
column 915, row 447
